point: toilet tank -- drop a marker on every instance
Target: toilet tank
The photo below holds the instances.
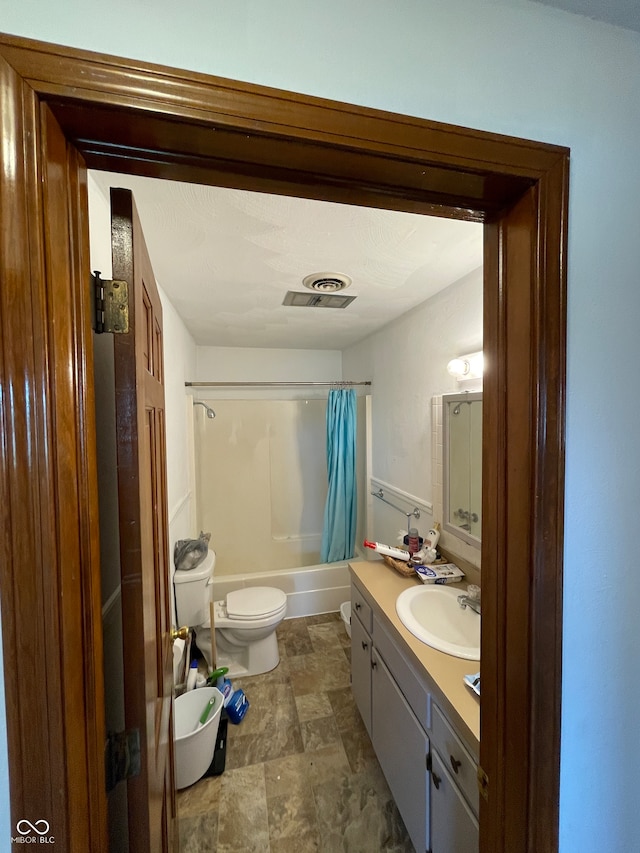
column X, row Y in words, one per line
column 193, row 592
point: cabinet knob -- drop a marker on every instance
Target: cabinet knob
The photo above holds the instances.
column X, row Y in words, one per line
column 436, row 780
column 373, row 664
column 454, row 763
column 365, row 645
column 357, row 605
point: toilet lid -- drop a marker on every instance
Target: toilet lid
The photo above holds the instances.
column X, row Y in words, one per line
column 254, row 602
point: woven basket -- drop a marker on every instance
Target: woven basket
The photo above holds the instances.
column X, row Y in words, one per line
column 404, row 569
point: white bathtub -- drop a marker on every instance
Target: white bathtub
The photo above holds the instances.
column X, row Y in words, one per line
column 310, row 589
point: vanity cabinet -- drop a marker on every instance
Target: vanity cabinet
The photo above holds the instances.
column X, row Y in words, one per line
column 397, row 736
column 361, row 669
column 361, row 630
column 454, row 827
column 402, row 748
column 430, row 772
column 454, row 790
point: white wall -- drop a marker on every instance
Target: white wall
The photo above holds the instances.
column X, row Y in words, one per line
column 254, row 364
column 407, row 364
column 179, row 366
column 523, row 69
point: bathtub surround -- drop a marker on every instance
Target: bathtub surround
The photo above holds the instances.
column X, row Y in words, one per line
column 310, row 590
column 261, row 483
column 300, row 774
column 261, row 479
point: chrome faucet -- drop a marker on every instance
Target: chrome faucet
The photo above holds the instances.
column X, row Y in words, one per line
column 472, row 601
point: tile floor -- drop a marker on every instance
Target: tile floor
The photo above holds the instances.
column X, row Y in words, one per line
column 301, row 774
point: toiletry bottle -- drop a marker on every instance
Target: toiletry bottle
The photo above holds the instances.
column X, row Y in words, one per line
column 193, row 675
column 413, row 541
column 397, row 553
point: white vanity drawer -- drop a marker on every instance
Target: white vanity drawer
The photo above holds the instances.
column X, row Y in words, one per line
column 456, row 757
column 360, row 607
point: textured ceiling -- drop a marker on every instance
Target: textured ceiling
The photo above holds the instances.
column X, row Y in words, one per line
column 226, row 259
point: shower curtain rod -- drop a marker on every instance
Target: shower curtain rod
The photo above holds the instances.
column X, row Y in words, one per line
column 278, row 384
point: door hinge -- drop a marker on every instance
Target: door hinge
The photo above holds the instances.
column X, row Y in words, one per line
column 121, row 757
column 483, row 783
column 110, row 305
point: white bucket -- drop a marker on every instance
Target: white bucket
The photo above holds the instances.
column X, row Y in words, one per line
column 345, row 612
column 195, row 746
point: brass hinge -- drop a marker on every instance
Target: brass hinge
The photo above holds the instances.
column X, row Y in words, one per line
column 110, row 305
column 121, row 757
column 483, row 783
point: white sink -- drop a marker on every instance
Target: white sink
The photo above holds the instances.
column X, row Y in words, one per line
column 433, row 615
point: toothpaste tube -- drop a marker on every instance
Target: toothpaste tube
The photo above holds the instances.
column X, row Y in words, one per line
column 389, row 550
column 439, row 573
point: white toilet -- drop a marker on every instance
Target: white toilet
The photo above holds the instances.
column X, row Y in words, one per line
column 245, row 623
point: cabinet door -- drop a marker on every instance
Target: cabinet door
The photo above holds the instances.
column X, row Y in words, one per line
column 361, row 670
column 402, row 748
column 361, row 607
column 454, row 828
column 462, row 766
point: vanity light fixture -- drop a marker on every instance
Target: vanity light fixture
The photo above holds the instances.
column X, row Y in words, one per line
column 466, row 366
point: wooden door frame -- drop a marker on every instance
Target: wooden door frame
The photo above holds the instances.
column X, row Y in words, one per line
column 138, row 118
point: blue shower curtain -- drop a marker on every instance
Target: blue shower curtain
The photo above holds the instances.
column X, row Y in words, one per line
column 339, row 533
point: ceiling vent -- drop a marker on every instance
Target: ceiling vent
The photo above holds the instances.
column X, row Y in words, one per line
column 326, row 282
column 317, row 300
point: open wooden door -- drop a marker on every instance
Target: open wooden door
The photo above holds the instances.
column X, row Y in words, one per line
column 142, row 498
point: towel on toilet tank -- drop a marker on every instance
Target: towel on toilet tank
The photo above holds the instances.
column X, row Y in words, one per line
column 189, row 553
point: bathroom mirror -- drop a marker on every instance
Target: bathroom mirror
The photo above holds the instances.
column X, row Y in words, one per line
column 462, row 466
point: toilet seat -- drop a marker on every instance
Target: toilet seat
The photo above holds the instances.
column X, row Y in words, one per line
column 256, row 602
column 261, row 606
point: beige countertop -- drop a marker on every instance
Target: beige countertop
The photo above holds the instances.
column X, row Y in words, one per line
column 457, row 700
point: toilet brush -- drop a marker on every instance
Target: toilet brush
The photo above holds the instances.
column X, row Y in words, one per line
column 205, row 714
